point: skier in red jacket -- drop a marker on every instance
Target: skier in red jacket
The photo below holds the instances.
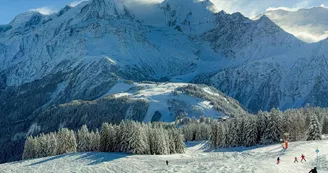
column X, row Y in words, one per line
column 303, row 158
column 278, row 161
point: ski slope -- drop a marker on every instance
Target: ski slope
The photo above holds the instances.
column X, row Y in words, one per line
column 198, row 158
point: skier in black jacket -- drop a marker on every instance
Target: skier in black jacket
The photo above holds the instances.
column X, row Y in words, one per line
column 314, row 170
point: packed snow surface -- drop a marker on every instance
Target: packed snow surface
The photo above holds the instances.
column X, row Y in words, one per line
column 198, row 158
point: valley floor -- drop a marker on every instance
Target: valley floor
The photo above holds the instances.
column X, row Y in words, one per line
column 198, row 158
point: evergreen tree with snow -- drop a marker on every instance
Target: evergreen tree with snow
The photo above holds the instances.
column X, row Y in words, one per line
column 66, row 141
column 42, row 145
column 171, row 141
column 105, row 139
column 251, row 132
column 232, row 133
column 178, row 141
column 221, row 135
column 214, row 135
column 325, row 125
column 137, row 143
column 51, row 143
column 313, row 131
column 262, row 121
column 30, row 148
column 83, row 139
column 241, row 131
column 94, row 137
column 273, row 132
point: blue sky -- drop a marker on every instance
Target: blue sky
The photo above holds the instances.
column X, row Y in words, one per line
column 10, row 8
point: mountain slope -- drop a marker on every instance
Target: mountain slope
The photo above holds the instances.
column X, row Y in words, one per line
column 196, row 159
column 147, row 102
column 285, row 81
column 309, row 25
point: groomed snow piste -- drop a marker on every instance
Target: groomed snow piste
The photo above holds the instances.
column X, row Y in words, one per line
column 198, row 158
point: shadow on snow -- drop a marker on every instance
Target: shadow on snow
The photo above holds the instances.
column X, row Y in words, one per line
column 101, row 157
column 93, row 157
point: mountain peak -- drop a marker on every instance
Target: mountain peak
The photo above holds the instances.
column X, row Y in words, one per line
column 183, row 14
column 103, row 9
column 27, row 19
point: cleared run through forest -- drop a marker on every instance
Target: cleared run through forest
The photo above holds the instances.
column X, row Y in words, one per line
column 198, row 158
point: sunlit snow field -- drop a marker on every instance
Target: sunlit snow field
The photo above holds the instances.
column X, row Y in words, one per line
column 198, row 158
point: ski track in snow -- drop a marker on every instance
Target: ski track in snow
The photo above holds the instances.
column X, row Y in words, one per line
column 198, row 158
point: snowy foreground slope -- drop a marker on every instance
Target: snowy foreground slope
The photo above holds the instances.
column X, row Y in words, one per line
column 198, row 158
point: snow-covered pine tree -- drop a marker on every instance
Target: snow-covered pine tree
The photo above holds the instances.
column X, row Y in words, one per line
column 52, row 145
column 151, row 139
column 241, row 131
column 273, row 132
column 324, row 124
column 104, row 138
column 66, row 141
column 251, row 132
column 171, row 141
column 43, row 145
column 167, row 141
column 124, row 136
column 287, row 122
column 221, row 135
column 94, row 137
column 203, row 131
column 178, row 141
column 313, row 131
column 262, row 121
column 158, row 143
column 136, row 141
column 215, row 135
column 83, row 140
column 232, row 133
column 30, row 148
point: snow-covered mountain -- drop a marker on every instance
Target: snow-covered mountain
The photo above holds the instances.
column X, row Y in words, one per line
column 82, row 52
column 309, row 25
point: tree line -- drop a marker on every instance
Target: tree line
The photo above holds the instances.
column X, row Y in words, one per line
column 162, row 138
column 263, row 128
column 128, row 137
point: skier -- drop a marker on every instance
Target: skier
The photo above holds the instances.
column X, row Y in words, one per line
column 278, row 161
column 303, row 158
column 314, row 170
column 167, row 162
column 295, row 160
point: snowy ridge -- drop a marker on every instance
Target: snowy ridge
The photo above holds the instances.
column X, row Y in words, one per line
column 197, row 158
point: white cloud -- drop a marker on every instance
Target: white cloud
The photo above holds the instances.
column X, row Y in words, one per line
column 323, row 6
column 75, row 3
column 44, row 10
column 281, row 8
column 252, row 8
column 310, row 37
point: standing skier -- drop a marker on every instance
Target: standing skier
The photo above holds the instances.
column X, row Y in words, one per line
column 295, row 160
column 167, row 162
column 303, row 158
column 278, row 161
